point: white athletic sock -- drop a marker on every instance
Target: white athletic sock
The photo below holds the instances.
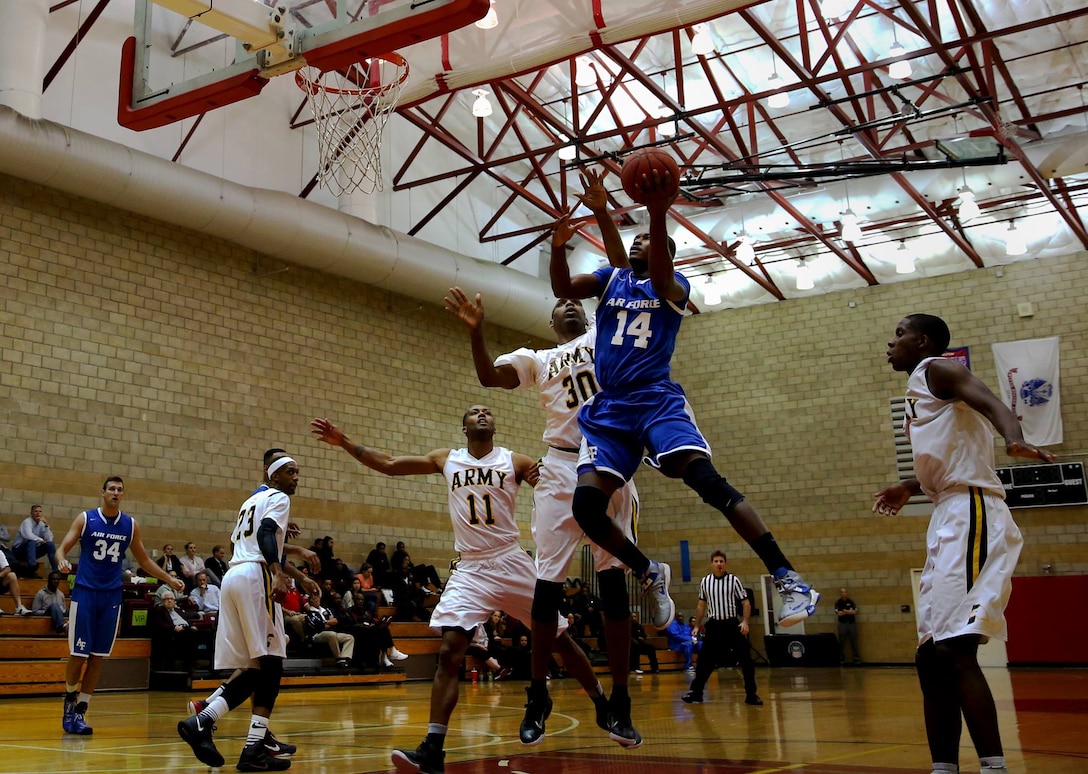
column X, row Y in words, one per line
column 71, row 688
column 993, row 763
column 216, row 693
column 216, row 709
column 258, row 728
column 84, row 698
column 940, row 768
column 437, row 728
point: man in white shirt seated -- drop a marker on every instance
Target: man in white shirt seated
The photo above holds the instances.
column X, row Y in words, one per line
column 206, row 595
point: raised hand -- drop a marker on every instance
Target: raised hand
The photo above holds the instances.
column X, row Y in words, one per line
column 1027, row 451
column 471, row 313
column 562, row 231
column 326, row 431
column 594, row 195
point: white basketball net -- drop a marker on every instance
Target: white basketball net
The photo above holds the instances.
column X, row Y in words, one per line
column 350, row 108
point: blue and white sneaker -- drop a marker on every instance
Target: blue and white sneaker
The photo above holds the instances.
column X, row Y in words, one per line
column 77, row 724
column 655, row 584
column 798, row 598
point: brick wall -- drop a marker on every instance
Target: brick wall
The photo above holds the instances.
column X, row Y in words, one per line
column 174, row 360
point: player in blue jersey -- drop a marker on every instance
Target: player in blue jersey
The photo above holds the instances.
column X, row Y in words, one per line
column 103, row 534
column 640, row 408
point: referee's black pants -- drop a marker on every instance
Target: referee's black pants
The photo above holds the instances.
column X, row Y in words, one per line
column 724, row 646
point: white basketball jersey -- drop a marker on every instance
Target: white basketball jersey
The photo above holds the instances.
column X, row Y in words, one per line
column 953, row 444
column 564, row 375
column 482, row 495
column 264, row 504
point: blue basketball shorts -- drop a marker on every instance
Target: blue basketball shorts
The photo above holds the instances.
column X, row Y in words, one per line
column 92, row 621
column 618, row 428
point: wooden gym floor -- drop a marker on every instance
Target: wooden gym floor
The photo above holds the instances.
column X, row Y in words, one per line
column 817, row 721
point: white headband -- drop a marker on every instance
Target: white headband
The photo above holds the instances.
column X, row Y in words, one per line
column 277, row 465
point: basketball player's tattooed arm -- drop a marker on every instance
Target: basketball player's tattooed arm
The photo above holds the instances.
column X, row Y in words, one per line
column 471, row 313
column 951, row 380
column 432, row 462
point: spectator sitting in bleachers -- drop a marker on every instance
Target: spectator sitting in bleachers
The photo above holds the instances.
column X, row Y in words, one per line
column 34, row 542
column 373, row 640
column 8, row 580
column 587, row 613
column 407, row 594
column 495, row 627
column 5, row 546
column 423, row 574
column 680, row 641
column 50, row 601
column 342, row 576
column 359, row 601
column 327, row 557
column 640, row 647
column 204, row 594
column 519, row 659
column 216, row 565
column 169, row 560
column 191, row 564
column 165, row 587
column 478, row 648
column 379, row 563
column 324, row 627
column 173, row 638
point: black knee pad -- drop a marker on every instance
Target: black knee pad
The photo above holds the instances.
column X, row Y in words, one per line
column 547, row 597
column 268, row 683
column 590, row 509
column 240, row 688
column 614, row 601
column 716, row 492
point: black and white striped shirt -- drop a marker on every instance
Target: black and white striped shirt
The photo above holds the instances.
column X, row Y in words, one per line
column 722, row 596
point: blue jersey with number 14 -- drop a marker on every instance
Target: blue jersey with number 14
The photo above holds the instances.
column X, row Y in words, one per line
column 636, row 330
column 102, row 548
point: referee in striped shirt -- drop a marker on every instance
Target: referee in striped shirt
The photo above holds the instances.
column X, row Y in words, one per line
column 724, row 606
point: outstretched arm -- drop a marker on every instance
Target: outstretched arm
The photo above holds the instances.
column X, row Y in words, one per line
column 949, row 379
column 662, row 270
column 471, row 313
column 377, row 460
column 526, row 469
column 139, row 553
column 563, row 284
column 595, row 197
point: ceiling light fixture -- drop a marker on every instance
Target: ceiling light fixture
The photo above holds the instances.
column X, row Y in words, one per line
column 481, row 108
column 899, row 69
column 780, row 98
column 851, row 231
column 712, row 296
column 804, row 276
column 568, row 152
column 968, row 209
column 585, row 74
column 702, row 44
column 490, row 20
column 904, row 259
column 745, row 253
column 1015, row 242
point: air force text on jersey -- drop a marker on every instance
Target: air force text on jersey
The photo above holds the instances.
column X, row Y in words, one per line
column 639, row 303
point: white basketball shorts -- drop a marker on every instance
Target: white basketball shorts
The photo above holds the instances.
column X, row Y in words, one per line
column 555, row 531
column 501, row 579
column 971, row 551
column 250, row 622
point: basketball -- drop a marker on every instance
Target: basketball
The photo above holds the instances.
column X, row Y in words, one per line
column 638, row 169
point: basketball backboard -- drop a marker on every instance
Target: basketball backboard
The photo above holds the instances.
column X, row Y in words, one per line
column 187, row 57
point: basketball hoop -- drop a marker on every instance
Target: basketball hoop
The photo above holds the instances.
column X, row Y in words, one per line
column 350, row 108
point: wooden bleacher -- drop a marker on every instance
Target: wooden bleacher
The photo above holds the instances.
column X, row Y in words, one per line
column 33, row 657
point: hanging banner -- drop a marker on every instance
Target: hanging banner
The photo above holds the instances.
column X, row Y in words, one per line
column 1027, row 372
